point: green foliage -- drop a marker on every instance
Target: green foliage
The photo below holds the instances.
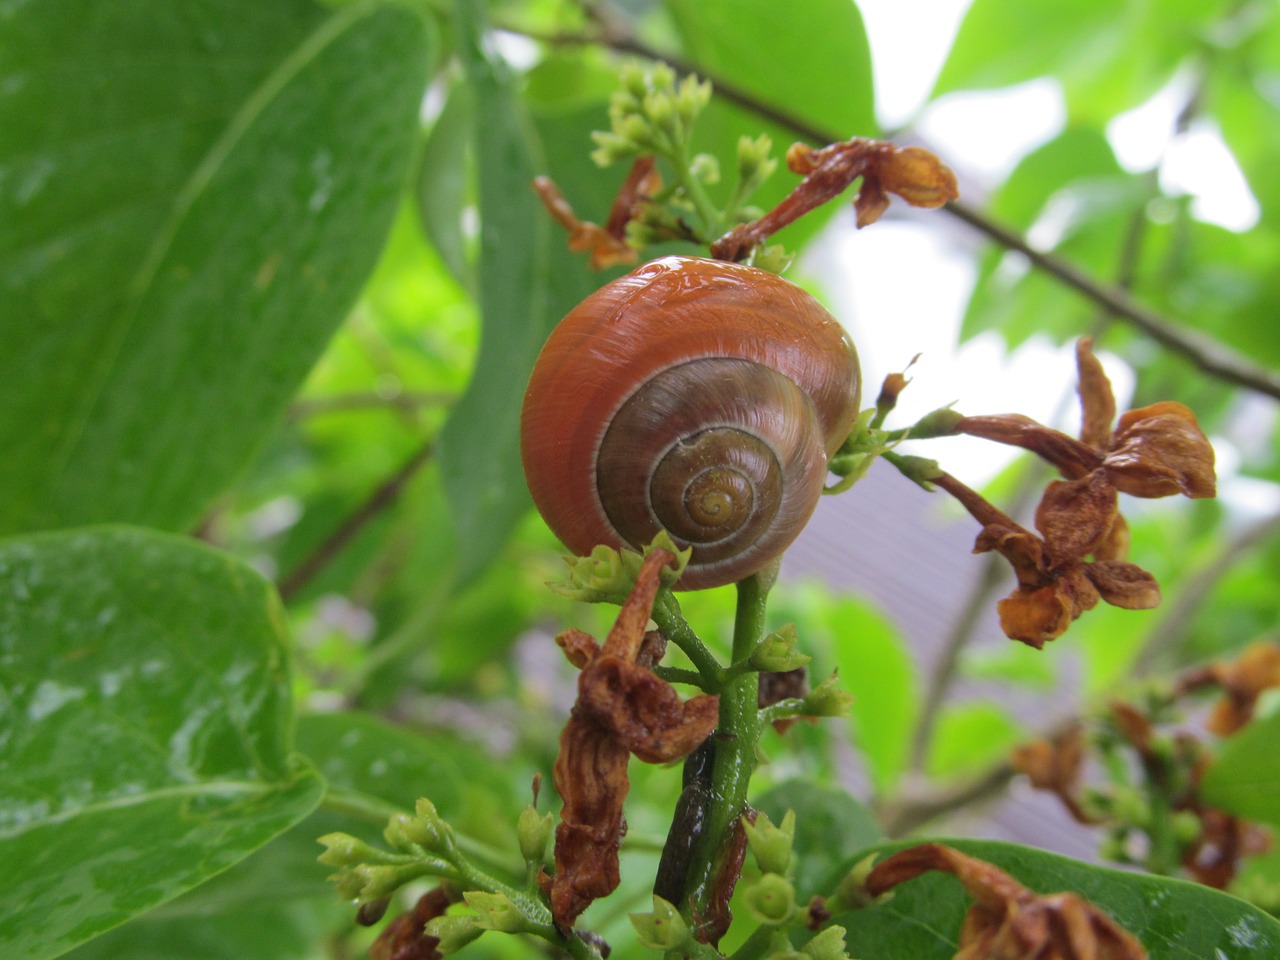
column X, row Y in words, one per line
column 272, row 275
column 1175, row 920
column 148, row 728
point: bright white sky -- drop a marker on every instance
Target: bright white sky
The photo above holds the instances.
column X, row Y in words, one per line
column 901, row 287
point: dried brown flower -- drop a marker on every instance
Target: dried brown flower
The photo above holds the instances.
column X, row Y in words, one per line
column 1055, row 765
column 1155, row 451
column 623, row 708
column 912, row 173
column 404, row 939
column 608, row 244
column 1214, row 857
column 1007, row 921
column 1242, row 680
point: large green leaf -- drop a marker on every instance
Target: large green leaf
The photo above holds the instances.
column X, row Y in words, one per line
column 1174, row 919
column 1244, row 778
column 190, row 197
column 480, row 445
column 145, row 728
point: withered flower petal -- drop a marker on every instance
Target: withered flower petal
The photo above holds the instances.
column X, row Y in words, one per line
column 1071, row 457
column 1115, row 545
column 1075, row 515
column 918, row 177
column 1159, row 451
column 1034, row 616
column 1097, row 401
column 1256, row 670
column 622, row 708
column 1007, row 921
column 1055, row 765
column 1124, row 585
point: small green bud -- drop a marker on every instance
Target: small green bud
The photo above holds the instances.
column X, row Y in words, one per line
column 774, row 258
column 373, row 882
column 1115, row 847
column 692, row 98
column 660, row 110
column 662, row 77
column 634, row 78
column 344, row 850
column 495, row 911
column 425, row 828
column 828, row 699
column 664, row 929
column 770, row 844
column 1131, row 807
column 453, row 932
column 771, row 899
column 940, row 423
column 610, row 148
column 608, row 575
column 919, row 470
column 705, row 167
column 1186, row 827
column 827, row 945
column 533, row 832
column 851, row 892
column 777, row 652
column 635, row 129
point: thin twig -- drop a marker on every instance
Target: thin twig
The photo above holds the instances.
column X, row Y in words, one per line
column 907, row 813
column 382, row 497
column 1214, row 358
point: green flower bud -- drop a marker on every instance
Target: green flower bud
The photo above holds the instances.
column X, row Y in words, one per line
column 664, row 929
column 368, row 881
column 634, row 79
column 777, row 652
column 344, row 850
column 495, row 911
column 453, row 932
column 1131, row 807
column 1186, row 827
column 662, row 77
column 827, row 945
column 940, row 423
column 754, row 163
column 705, row 167
column 771, row 899
column 771, row 845
column 533, row 832
column 692, row 97
column 919, row 470
column 828, row 699
column 851, row 892
column 608, row 575
column 774, row 258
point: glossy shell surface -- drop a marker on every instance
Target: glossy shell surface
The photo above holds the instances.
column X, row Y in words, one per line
column 660, row 318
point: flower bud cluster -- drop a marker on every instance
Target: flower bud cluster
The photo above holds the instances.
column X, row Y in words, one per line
column 652, row 112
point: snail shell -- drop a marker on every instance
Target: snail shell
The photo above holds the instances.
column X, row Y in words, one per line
column 691, row 395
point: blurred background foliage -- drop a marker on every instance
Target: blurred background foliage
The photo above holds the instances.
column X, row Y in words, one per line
column 272, row 276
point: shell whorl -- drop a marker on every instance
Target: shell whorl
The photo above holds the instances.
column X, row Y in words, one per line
column 695, row 396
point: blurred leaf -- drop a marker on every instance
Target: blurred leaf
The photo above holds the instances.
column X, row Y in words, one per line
column 480, row 445
column 202, row 189
column 1012, row 662
column 830, row 828
column 1108, row 57
column 1244, row 778
column 876, row 667
column 442, row 182
column 147, row 726
column 1174, row 919
column 969, row 736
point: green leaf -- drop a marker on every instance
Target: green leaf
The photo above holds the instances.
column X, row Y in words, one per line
column 1108, row 57
column 195, row 194
column 877, row 669
column 1174, row 919
column 969, row 736
column 831, row 827
column 147, row 728
column 1244, row 778
column 442, row 183
column 480, row 445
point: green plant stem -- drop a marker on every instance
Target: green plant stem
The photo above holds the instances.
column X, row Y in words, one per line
column 736, row 737
column 667, row 615
column 757, row 945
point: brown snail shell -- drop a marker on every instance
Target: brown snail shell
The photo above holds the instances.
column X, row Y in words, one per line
column 696, row 396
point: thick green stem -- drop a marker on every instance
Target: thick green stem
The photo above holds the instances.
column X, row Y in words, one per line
column 736, row 737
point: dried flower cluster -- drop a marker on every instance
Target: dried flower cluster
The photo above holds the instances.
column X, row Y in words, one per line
column 608, row 244
column 1007, row 921
column 913, row 173
column 1208, row 843
column 1079, row 556
column 623, row 708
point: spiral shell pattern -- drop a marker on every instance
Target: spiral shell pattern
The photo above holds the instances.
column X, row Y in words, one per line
column 695, row 396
